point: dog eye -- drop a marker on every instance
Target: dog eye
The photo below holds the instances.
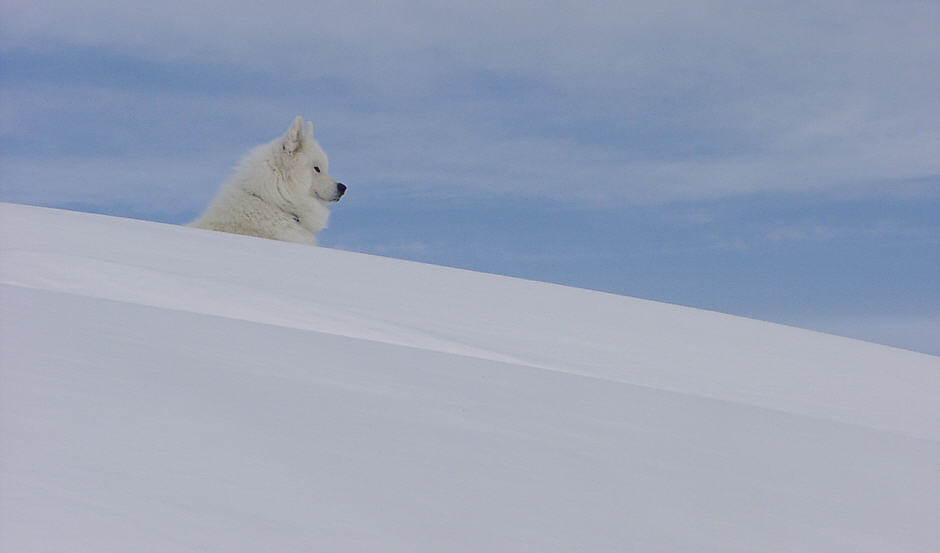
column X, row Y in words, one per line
column 315, row 168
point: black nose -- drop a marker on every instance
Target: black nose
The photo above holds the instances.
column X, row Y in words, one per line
column 340, row 188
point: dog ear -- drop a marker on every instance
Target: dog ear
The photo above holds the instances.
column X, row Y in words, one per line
column 294, row 137
column 309, row 129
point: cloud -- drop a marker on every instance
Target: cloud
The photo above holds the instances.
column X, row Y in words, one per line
column 572, row 44
column 601, row 103
column 762, row 235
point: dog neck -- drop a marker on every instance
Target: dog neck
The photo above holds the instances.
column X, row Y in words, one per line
column 291, row 214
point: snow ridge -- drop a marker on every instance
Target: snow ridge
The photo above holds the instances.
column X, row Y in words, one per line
column 190, row 390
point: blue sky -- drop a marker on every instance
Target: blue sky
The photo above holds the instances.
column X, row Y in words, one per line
column 775, row 160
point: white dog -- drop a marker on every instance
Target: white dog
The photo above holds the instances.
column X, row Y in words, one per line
column 281, row 190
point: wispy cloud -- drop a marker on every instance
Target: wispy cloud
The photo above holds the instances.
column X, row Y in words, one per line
column 600, row 103
column 777, row 234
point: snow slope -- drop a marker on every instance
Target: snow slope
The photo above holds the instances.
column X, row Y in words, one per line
column 170, row 389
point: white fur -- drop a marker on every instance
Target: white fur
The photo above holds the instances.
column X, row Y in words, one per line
column 277, row 192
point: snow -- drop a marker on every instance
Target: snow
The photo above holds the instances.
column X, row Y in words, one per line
column 170, row 389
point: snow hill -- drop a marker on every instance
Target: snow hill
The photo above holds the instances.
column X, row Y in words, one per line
column 170, row 389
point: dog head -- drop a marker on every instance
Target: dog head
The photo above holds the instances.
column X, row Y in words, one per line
column 307, row 162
